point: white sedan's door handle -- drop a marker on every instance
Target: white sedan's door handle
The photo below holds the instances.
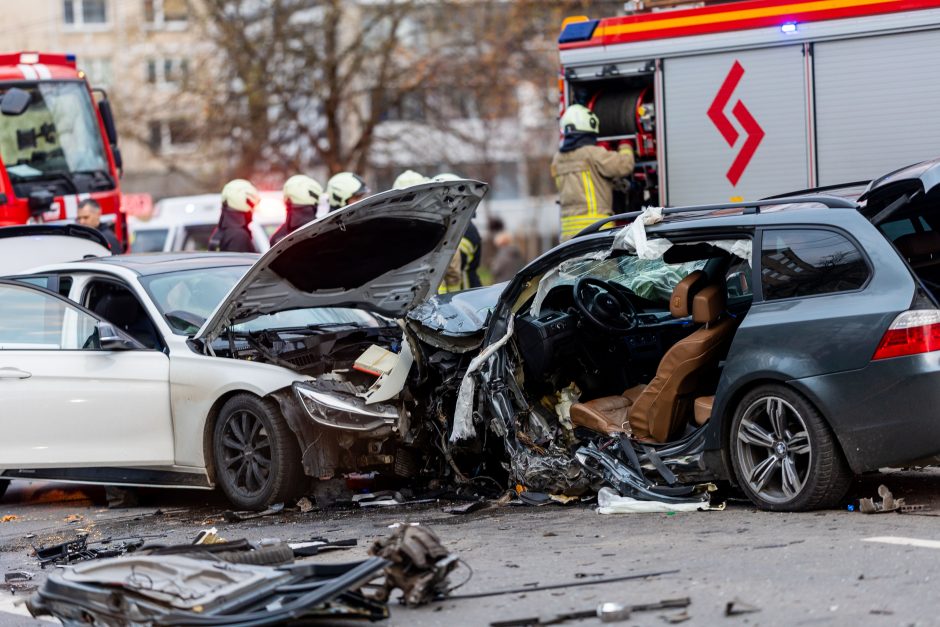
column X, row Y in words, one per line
column 14, row 373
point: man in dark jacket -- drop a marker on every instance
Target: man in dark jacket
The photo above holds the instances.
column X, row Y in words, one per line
column 89, row 214
column 301, row 196
column 239, row 199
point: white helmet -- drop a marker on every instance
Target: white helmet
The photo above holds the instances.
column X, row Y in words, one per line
column 580, row 119
column 343, row 186
column 240, row 195
column 446, row 176
column 301, row 190
column 409, row 178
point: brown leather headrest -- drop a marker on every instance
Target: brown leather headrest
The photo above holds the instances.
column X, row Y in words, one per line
column 918, row 244
column 684, row 292
column 708, row 304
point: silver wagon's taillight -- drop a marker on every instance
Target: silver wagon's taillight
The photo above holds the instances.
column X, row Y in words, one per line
column 912, row 332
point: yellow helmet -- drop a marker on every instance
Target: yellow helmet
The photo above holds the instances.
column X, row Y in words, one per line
column 344, row 186
column 579, row 118
column 409, row 178
column 240, row 195
column 302, row 190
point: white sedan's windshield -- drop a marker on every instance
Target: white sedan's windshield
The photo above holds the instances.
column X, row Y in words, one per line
column 187, row 298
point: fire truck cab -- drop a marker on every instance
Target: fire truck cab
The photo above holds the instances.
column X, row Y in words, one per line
column 58, row 142
column 749, row 99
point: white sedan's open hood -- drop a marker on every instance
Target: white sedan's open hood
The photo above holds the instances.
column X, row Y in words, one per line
column 385, row 253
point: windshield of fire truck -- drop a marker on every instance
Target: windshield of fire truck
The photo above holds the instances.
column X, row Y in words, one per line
column 57, row 135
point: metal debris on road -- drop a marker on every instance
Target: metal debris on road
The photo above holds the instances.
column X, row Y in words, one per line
column 316, row 546
column 887, row 504
column 571, row 584
column 8, row 518
column 305, row 505
column 734, row 607
column 418, row 565
column 233, row 517
column 606, row 612
column 77, row 550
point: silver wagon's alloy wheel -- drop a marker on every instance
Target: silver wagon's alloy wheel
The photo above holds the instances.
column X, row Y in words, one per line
column 785, row 456
column 774, row 449
column 246, row 455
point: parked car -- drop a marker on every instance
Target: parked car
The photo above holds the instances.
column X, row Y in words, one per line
column 19, row 245
column 185, row 223
column 179, row 369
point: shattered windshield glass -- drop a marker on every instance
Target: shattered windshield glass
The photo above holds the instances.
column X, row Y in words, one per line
column 57, row 135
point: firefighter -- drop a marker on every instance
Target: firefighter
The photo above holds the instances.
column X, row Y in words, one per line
column 344, row 189
column 462, row 272
column 584, row 172
column 409, row 178
column 239, row 199
column 301, row 197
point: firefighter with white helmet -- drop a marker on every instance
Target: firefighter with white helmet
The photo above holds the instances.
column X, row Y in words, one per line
column 344, row 189
column 584, row 172
column 239, row 199
column 409, row 178
column 301, row 198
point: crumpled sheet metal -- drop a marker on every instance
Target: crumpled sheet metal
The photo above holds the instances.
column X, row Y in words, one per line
column 419, row 564
column 553, row 471
column 463, row 410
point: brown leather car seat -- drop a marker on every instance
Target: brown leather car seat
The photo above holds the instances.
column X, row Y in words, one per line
column 659, row 410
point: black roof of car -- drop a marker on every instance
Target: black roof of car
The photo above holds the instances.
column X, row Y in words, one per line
column 159, row 263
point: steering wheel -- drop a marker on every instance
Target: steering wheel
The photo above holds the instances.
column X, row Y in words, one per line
column 604, row 306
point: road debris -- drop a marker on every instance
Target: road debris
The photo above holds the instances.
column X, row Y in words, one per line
column 418, row 565
column 77, row 550
column 181, row 589
column 609, row 502
column 316, row 546
column 208, row 536
column 535, row 587
column 305, row 505
column 233, row 517
column 887, row 504
column 606, row 612
column 736, row 606
column 8, row 518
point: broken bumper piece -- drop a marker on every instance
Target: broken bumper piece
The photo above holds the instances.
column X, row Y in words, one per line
column 178, row 590
column 338, row 410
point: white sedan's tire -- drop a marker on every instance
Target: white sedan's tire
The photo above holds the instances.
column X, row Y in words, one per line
column 4, row 483
column 257, row 460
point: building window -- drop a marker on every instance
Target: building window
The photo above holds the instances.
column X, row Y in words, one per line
column 808, row 262
column 167, row 71
column 166, row 13
column 98, row 70
column 177, row 134
column 85, row 12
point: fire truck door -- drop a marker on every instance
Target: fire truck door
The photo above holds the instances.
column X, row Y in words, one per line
column 735, row 125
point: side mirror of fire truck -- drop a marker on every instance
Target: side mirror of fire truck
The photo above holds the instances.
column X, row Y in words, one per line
column 15, row 101
column 104, row 107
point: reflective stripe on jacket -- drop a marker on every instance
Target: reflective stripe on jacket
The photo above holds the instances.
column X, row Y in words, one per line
column 583, row 177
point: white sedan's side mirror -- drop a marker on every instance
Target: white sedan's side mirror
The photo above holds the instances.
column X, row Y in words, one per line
column 111, row 340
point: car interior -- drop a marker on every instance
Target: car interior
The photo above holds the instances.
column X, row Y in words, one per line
column 118, row 305
column 641, row 341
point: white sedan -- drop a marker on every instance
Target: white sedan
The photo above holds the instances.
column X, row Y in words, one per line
column 189, row 370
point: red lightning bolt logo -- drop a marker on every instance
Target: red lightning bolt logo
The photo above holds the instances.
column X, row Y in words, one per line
column 754, row 134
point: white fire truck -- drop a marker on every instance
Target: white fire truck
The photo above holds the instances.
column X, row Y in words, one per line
column 749, row 99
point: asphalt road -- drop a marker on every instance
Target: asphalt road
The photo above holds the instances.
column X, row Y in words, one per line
column 796, row 569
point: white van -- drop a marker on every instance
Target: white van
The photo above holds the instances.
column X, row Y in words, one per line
column 186, row 223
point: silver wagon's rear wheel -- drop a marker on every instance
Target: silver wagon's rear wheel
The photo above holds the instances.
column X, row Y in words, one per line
column 784, row 455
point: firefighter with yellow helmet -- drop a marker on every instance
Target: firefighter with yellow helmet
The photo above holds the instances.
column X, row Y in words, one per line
column 584, row 172
column 344, row 189
column 301, row 197
column 239, row 199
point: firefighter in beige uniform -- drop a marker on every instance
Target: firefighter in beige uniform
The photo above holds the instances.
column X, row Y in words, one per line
column 583, row 171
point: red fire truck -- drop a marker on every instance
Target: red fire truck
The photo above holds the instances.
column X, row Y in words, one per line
column 749, row 99
column 58, row 142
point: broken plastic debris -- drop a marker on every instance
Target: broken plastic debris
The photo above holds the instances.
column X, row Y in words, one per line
column 609, row 502
column 8, row 518
column 208, row 536
column 887, row 504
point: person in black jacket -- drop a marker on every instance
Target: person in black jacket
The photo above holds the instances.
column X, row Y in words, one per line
column 301, row 196
column 239, row 199
column 89, row 214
